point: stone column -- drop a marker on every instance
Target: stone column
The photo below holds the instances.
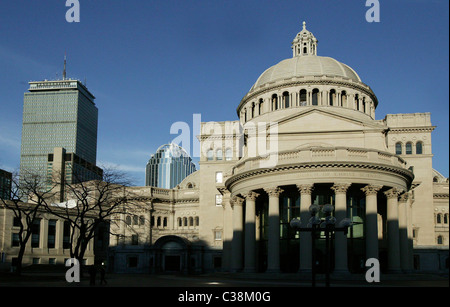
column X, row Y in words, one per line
column 305, row 237
column 341, row 261
column 227, row 229
column 250, row 232
column 392, row 230
column 236, row 244
column 273, row 248
column 371, row 221
column 403, row 232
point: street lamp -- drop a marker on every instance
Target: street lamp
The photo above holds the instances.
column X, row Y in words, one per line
column 316, row 225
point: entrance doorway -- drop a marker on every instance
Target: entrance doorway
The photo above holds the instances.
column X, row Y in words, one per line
column 172, row 263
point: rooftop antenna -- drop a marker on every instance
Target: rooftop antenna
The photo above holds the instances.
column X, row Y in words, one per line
column 64, row 71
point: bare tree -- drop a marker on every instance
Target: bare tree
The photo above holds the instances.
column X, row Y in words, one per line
column 35, row 189
column 89, row 205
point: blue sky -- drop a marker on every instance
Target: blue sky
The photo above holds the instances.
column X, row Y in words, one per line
column 153, row 63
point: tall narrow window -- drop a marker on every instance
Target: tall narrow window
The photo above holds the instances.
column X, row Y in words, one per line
column 274, row 102
column 332, row 97
column 409, row 148
column 419, row 148
column 286, row 99
column 219, row 177
column 260, row 107
column 343, row 99
column 51, row 234
column 357, row 102
column 253, row 110
column 35, row 233
column 303, row 98
column 219, row 154
column 438, row 219
column 315, row 97
column 66, row 235
column 228, row 154
column 398, row 148
column 210, row 155
column 218, row 199
column 440, row 240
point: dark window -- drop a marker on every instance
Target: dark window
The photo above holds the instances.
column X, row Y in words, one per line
column 66, row 235
column 134, row 240
column 35, row 233
column 398, row 148
column 132, row 262
column 315, row 97
column 303, row 98
column 15, row 240
column 51, row 234
column 440, row 240
column 16, row 222
column 419, row 148
column 409, row 148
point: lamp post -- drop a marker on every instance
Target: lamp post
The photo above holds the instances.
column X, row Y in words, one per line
column 314, row 226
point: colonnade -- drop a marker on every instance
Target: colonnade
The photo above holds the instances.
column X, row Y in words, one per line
column 243, row 245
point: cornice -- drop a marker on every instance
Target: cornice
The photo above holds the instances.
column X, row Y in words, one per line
column 319, row 166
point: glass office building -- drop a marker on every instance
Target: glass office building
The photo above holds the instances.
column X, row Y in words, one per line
column 58, row 113
column 168, row 167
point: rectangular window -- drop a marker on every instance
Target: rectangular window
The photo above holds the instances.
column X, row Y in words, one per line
column 52, row 261
column 66, row 235
column 218, row 199
column 16, row 222
column 218, row 235
column 51, row 234
column 35, row 233
column 15, row 240
column 219, row 177
column 36, row 260
column 132, row 262
column 134, row 240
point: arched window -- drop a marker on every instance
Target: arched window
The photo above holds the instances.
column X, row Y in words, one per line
column 364, row 104
column 128, row 220
column 141, row 220
column 228, row 154
column 253, row 110
column 191, row 221
column 303, row 98
column 409, row 148
column 197, row 221
column 435, row 179
column 343, row 98
column 305, row 50
column 219, row 154
column 190, row 186
column 357, row 102
column 260, row 107
column 185, row 221
column 440, row 240
column 165, row 222
column 274, row 102
column 315, row 97
column 398, row 148
column 438, row 218
column 419, row 148
column 446, row 218
column 158, row 221
column 286, row 99
column 135, row 220
column 210, row 155
column 332, row 97
column 180, row 222
column 245, row 115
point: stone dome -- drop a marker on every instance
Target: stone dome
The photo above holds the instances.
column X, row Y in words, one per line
column 309, row 65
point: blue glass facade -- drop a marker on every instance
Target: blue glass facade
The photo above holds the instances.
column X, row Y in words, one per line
column 168, row 167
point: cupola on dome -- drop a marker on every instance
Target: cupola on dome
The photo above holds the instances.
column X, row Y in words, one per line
column 306, row 62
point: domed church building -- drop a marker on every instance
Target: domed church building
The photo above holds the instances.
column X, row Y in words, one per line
column 307, row 136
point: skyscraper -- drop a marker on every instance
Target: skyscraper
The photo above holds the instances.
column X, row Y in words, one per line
column 168, row 167
column 59, row 113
